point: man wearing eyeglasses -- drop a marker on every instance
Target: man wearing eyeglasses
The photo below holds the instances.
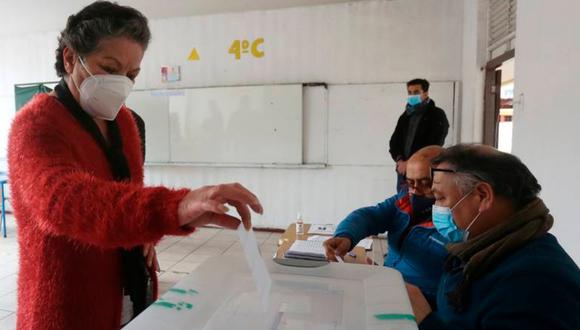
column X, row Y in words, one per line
column 505, row 271
column 415, row 248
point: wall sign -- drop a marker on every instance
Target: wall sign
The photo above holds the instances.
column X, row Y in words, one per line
column 241, row 47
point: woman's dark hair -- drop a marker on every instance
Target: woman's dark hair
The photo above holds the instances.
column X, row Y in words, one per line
column 97, row 21
column 506, row 173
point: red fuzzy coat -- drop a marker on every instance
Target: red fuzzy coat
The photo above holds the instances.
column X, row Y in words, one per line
column 72, row 218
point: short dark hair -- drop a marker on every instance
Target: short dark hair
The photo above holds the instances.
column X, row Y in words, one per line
column 97, row 21
column 506, row 173
column 418, row 81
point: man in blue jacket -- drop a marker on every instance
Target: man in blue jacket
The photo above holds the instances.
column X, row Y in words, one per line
column 505, row 271
column 415, row 248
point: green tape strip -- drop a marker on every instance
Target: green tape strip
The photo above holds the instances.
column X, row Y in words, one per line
column 183, row 291
column 170, row 305
column 176, row 290
column 395, row 317
column 164, row 304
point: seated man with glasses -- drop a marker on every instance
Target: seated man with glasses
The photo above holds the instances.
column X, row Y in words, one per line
column 415, row 248
column 504, row 271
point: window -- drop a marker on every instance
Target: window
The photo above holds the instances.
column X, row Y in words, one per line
column 501, row 26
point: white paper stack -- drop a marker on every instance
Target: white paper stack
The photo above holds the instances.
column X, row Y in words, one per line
column 309, row 250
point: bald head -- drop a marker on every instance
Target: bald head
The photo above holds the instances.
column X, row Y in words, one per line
column 419, row 170
column 425, row 154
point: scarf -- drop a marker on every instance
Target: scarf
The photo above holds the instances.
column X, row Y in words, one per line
column 136, row 277
column 481, row 254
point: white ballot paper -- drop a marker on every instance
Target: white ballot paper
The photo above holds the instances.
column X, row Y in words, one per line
column 256, row 264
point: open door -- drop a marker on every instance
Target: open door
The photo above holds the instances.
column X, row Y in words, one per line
column 498, row 102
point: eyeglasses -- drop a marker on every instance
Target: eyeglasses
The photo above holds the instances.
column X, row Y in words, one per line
column 418, row 183
column 446, row 170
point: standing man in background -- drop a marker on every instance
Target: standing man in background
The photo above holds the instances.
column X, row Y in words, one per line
column 422, row 124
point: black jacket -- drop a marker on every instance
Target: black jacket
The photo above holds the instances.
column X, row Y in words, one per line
column 141, row 128
column 431, row 130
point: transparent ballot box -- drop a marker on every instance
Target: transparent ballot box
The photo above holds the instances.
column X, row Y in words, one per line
column 221, row 294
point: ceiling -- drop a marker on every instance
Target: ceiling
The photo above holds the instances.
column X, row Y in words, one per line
column 24, row 16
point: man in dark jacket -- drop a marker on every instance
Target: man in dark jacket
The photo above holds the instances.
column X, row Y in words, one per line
column 504, row 270
column 422, row 124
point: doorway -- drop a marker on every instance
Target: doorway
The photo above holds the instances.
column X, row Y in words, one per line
column 498, row 102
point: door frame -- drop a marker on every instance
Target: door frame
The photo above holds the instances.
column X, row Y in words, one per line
column 491, row 98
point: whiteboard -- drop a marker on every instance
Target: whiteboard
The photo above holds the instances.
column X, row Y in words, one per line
column 278, row 124
column 315, row 129
column 226, row 125
column 238, row 125
column 153, row 107
column 362, row 119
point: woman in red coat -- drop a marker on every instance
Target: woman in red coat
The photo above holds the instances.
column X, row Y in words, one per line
column 76, row 172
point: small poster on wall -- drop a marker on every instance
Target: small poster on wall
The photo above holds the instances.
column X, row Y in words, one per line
column 170, row 73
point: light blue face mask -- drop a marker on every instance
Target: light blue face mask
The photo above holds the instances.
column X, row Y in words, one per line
column 445, row 224
column 413, row 100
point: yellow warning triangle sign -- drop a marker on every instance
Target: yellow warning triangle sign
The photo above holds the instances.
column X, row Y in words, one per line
column 193, row 56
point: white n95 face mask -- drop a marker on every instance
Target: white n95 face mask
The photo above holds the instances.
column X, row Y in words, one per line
column 102, row 95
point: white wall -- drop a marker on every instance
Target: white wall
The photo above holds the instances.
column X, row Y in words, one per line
column 51, row 14
column 363, row 42
column 367, row 42
column 23, row 58
column 473, row 59
column 546, row 131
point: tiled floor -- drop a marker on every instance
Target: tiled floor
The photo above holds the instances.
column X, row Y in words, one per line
column 8, row 275
column 177, row 256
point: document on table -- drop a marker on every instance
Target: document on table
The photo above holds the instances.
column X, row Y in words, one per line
column 309, row 250
column 256, row 264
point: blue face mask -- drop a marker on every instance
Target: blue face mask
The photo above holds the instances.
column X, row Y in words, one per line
column 413, row 100
column 445, row 224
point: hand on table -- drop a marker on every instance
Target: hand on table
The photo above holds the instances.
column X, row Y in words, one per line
column 206, row 205
column 336, row 246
